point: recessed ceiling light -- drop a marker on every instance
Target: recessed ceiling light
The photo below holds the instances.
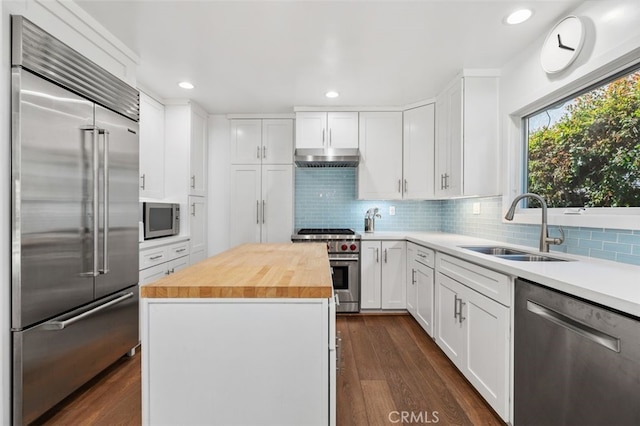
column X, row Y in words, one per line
column 519, row 16
column 186, row 85
column 332, row 94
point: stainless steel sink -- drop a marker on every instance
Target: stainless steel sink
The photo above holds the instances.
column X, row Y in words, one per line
column 513, row 254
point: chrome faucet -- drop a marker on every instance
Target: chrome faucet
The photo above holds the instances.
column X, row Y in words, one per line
column 545, row 240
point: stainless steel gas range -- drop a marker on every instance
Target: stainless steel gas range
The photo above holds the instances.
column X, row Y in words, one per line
column 343, row 247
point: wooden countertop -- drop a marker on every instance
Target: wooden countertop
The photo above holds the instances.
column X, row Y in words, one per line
column 252, row 271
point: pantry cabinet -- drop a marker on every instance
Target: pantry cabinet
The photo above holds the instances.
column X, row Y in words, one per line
column 261, row 203
column 326, row 130
column 261, row 141
column 472, row 328
column 466, row 146
column 261, row 180
column 151, row 148
column 382, row 278
column 380, row 168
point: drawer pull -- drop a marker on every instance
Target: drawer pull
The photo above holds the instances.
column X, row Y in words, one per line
column 156, row 257
column 180, row 250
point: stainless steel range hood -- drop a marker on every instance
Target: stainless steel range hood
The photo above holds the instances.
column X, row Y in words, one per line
column 335, row 157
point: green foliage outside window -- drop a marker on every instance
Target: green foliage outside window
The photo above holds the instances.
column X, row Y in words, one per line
column 588, row 154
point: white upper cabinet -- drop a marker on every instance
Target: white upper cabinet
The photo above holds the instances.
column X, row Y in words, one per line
column 186, row 148
column 467, row 154
column 246, row 141
column 418, row 153
column 151, row 148
column 380, row 168
column 277, row 141
column 326, row 130
column 257, row 141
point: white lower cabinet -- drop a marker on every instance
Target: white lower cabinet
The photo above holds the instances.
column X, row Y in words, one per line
column 382, row 276
column 473, row 330
column 420, row 285
column 158, row 259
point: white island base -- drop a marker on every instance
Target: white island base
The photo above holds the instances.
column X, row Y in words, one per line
column 249, row 361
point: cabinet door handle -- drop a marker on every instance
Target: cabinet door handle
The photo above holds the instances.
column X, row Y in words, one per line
column 377, row 255
column 193, row 209
column 413, row 276
column 455, row 306
column 330, row 139
column 385, row 255
column 441, row 181
column 144, row 179
column 193, row 181
column 339, row 352
column 257, row 212
column 405, row 186
column 400, row 186
column 460, row 317
column 264, row 152
column 446, row 181
column 258, row 152
column 322, row 137
column 264, row 207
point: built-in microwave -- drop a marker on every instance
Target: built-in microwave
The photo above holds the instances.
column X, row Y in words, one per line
column 160, row 219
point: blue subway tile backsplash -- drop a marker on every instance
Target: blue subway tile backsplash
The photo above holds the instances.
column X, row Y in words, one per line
column 326, row 197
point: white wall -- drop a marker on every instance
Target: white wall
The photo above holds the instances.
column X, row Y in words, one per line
column 68, row 22
column 612, row 44
column 218, row 196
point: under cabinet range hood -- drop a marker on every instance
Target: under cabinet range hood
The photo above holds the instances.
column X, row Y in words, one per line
column 334, row 157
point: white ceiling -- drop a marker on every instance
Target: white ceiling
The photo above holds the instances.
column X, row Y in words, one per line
column 268, row 56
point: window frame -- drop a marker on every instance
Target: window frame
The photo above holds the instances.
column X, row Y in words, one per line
column 627, row 218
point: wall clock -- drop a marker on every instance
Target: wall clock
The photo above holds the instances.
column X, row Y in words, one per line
column 563, row 45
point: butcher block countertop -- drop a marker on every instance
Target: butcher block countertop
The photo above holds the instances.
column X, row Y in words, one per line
column 252, row 271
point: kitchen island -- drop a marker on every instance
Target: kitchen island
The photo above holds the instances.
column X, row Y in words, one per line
column 244, row 337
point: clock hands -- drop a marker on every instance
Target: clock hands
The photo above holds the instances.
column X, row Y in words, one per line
column 562, row 46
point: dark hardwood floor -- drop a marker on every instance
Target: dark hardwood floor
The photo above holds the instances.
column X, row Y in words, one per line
column 391, row 368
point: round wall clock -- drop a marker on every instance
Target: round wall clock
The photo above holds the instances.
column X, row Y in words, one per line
column 563, row 44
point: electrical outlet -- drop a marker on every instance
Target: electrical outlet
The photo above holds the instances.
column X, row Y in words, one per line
column 476, row 208
column 392, row 210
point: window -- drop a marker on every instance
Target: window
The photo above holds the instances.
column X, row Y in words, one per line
column 585, row 151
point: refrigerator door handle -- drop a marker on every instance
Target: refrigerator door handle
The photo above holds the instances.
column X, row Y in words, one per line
column 105, row 201
column 95, row 172
column 60, row 325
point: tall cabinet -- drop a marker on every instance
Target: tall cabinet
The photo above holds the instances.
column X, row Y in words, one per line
column 466, row 147
column 261, row 193
column 186, row 170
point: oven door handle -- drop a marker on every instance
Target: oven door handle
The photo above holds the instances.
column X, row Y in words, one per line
column 343, row 259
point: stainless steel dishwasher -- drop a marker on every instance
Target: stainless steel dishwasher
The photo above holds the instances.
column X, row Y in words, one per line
column 576, row 363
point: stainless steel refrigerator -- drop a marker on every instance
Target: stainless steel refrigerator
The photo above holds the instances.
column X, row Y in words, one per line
column 75, row 220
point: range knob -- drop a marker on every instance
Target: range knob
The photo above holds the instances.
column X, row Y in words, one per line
column 353, row 247
column 344, row 247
